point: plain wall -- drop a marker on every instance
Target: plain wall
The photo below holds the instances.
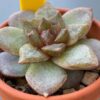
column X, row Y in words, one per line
column 7, row 7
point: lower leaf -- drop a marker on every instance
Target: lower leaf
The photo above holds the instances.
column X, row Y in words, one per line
column 45, row 77
column 9, row 65
column 77, row 57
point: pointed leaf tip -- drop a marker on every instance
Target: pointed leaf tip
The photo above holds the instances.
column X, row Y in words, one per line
column 77, row 57
column 47, row 11
column 35, row 38
column 54, row 49
column 62, row 37
column 11, row 39
column 30, row 54
column 43, row 77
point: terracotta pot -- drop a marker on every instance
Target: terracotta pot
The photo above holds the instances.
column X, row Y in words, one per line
column 91, row 92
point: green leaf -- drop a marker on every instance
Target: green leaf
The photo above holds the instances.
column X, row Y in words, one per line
column 35, row 38
column 62, row 36
column 11, row 39
column 73, row 79
column 30, row 54
column 47, row 11
column 54, row 49
column 45, row 77
column 16, row 19
column 57, row 19
column 28, row 26
column 80, row 15
column 76, row 32
column 47, row 37
column 78, row 22
column 94, row 44
column 9, row 65
column 55, row 29
column 77, row 57
column 44, row 25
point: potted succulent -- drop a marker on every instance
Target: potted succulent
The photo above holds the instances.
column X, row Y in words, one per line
column 52, row 52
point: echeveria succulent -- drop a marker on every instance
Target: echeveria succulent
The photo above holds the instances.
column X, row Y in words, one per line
column 16, row 20
column 43, row 45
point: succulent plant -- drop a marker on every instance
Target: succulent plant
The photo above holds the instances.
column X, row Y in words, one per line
column 41, row 45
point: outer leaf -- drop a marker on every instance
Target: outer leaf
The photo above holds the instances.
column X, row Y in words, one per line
column 35, row 38
column 11, row 39
column 73, row 80
column 9, row 65
column 94, row 44
column 43, row 77
column 29, row 54
column 28, row 26
column 78, row 21
column 77, row 57
column 76, row 32
column 47, row 11
column 16, row 19
column 78, row 16
column 54, row 49
column 62, row 36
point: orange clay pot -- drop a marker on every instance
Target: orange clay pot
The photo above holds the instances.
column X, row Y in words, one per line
column 91, row 92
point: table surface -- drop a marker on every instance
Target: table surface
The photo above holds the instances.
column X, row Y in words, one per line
column 7, row 7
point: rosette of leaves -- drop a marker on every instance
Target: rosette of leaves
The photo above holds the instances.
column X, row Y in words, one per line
column 41, row 45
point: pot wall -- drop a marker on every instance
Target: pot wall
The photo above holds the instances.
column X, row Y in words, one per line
column 91, row 92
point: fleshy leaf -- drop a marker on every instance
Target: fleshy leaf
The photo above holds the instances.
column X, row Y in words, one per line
column 78, row 21
column 45, row 77
column 44, row 25
column 11, row 39
column 28, row 26
column 54, row 49
column 73, row 79
column 16, row 19
column 55, row 29
column 76, row 32
column 47, row 37
column 77, row 57
column 47, row 11
column 35, row 38
column 62, row 36
column 57, row 19
column 80, row 15
column 94, row 44
column 29, row 54
column 9, row 65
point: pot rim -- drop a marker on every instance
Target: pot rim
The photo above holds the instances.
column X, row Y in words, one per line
column 21, row 95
